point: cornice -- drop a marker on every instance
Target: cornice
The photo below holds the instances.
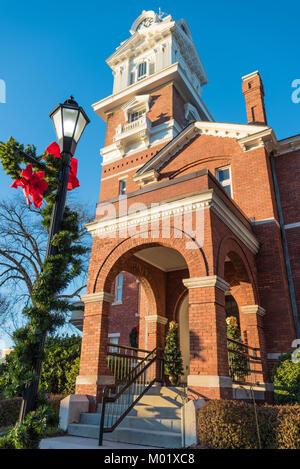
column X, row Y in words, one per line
column 180, row 206
column 203, row 282
column 253, row 309
column 97, row 297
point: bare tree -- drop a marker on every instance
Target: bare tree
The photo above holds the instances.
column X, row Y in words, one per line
column 23, row 242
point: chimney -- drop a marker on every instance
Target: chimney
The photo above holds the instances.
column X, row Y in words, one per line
column 253, row 91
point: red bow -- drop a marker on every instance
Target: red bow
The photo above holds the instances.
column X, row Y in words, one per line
column 33, row 185
column 73, row 182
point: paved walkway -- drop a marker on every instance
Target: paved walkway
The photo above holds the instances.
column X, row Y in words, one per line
column 75, row 442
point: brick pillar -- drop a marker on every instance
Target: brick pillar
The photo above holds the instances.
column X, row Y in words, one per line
column 156, row 332
column 252, row 330
column 94, row 373
column 209, row 372
column 253, row 91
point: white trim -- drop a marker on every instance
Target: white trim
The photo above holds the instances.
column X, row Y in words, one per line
column 274, row 355
column 203, row 282
column 209, row 381
column 97, row 297
column 156, row 318
column 114, row 334
column 292, row 225
column 266, row 220
column 203, row 200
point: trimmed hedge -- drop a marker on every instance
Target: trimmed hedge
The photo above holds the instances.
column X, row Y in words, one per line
column 224, row 424
column 9, row 411
column 286, row 379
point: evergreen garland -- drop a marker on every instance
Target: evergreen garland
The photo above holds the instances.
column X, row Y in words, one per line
column 172, row 354
column 47, row 312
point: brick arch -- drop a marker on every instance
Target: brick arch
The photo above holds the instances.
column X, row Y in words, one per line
column 245, row 282
column 195, row 259
column 178, row 304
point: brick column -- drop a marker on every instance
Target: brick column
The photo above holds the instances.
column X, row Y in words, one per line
column 209, row 370
column 94, row 373
column 252, row 323
column 156, row 332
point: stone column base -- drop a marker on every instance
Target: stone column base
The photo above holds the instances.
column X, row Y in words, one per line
column 209, row 387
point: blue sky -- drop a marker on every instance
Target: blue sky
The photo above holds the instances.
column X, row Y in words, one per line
column 50, row 50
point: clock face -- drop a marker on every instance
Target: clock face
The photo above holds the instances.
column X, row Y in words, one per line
column 146, row 22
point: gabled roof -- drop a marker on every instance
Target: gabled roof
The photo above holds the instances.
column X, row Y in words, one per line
column 249, row 136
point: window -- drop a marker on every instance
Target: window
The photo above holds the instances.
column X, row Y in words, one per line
column 142, row 70
column 224, row 178
column 134, row 116
column 113, row 339
column 119, row 289
column 122, row 187
column 132, row 78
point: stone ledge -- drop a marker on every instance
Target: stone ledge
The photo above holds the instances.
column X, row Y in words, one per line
column 95, row 380
column 97, row 297
column 209, row 381
column 253, row 309
column 210, row 281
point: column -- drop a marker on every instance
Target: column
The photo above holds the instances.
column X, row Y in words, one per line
column 252, row 323
column 94, row 373
column 209, row 371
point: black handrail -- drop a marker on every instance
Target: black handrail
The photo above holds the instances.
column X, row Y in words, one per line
column 132, row 379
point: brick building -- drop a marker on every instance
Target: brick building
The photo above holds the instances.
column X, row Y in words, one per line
column 197, row 220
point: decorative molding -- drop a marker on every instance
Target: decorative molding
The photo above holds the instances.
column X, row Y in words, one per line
column 97, row 297
column 156, row 318
column 253, row 309
column 209, row 281
column 209, row 381
column 265, row 138
column 241, row 132
column 266, row 220
column 292, row 225
column 185, row 205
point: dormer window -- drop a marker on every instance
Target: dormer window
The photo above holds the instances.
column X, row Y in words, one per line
column 142, row 70
column 134, row 116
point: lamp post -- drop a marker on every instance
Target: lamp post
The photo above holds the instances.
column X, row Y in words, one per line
column 69, row 122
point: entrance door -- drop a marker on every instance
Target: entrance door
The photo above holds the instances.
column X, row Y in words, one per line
column 184, row 337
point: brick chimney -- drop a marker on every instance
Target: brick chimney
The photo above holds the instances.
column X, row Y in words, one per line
column 253, row 91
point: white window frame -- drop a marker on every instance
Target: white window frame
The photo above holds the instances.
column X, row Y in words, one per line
column 122, row 191
column 145, row 74
column 114, row 335
column 117, row 288
column 225, row 182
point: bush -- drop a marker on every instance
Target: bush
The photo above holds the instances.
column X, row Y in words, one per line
column 226, row 424
column 286, row 379
column 27, row 435
column 58, row 368
column 9, row 411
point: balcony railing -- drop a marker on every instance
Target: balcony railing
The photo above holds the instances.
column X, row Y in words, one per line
column 124, row 131
column 245, row 364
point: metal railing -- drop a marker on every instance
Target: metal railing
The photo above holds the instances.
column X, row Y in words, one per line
column 119, row 399
column 245, row 364
column 121, row 360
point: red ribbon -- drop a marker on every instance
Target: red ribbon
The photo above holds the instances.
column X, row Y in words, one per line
column 33, row 185
column 73, row 182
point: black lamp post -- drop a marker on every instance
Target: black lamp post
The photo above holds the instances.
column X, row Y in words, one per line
column 69, row 121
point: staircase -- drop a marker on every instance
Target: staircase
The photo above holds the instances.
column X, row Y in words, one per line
column 155, row 420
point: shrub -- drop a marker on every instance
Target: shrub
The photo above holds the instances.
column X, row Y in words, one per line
column 61, row 354
column 9, row 411
column 286, row 379
column 27, row 435
column 172, row 355
column 226, row 424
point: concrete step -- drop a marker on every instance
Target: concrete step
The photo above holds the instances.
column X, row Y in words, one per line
column 173, row 425
column 161, row 439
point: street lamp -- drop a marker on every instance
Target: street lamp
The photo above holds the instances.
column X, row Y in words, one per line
column 69, row 122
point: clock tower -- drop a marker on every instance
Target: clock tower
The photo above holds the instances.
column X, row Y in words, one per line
column 157, row 87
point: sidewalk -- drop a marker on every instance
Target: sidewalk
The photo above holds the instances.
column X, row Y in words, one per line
column 75, row 442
